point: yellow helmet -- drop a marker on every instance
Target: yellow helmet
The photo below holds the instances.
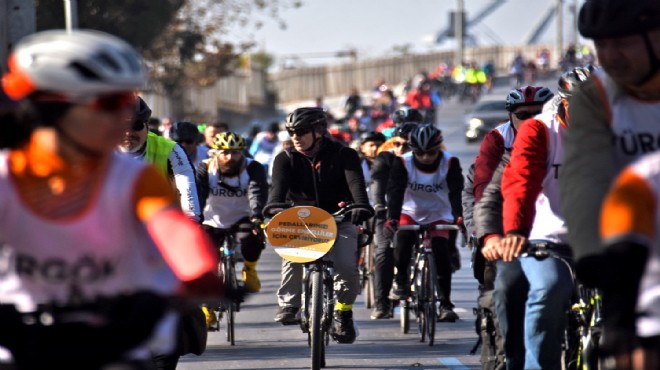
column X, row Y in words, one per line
column 228, row 141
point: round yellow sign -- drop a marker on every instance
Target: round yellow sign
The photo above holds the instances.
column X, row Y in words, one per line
column 302, row 234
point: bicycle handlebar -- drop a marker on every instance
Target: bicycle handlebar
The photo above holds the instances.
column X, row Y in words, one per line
column 429, row 227
column 273, row 208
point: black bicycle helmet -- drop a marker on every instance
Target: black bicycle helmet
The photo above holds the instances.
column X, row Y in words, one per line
column 372, row 136
column 184, row 131
column 142, row 110
column 569, row 79
column 404, row 130
column 406, row 114
column 306, row 118
column 618, row 18
column 425, row 137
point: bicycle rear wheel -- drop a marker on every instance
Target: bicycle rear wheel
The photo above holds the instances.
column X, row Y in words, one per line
column 316, row 317
column 369, row 275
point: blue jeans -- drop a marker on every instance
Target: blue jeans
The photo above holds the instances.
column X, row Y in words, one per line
column 531, row 298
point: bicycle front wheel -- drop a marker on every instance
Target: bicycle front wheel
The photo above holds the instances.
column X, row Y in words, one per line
column 232, row 283
column 427, row 298
column 316, row 317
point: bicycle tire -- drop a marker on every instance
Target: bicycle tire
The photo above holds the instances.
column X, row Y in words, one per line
column 426, row 292
column 369, row 278
column 419, row 298
column 404, row 313
column 431, row 297
column 232, row 283
column 316, row 317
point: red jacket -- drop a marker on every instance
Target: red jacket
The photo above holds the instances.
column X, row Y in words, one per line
column 523, row 177
column 489, row 157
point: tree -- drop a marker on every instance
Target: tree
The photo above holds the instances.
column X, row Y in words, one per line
column 181, row 40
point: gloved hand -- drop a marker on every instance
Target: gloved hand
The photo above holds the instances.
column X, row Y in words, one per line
column 359, row 215
column 390, row 227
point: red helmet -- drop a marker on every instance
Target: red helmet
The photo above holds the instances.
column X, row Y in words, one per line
column 528, row 95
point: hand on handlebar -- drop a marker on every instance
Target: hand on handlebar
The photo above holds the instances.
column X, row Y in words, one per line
column 511, row 246
column 359, row 215
column 390, row 227
column 491, row 248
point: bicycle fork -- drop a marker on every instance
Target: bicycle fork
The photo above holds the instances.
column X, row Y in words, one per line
column 328, row 295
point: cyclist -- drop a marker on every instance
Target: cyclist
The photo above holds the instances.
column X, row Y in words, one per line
column 233, row 192
column 532, row 295
column 424, row 188
column 613, row 116
column 369, row 143
column 96, row 227
column 323, row 173
column 187, row 136
column 614, row 119
column 401, row 116
column 629, row 224
column 384, row 256
column 167, row 156
column 521, row 103
column 264, row 144
column 209, row 133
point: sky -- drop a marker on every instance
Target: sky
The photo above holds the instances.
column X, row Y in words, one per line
column 374, row 27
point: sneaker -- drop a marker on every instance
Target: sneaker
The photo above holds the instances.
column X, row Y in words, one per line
column 343, row 330
column 398, row 292
column 211, row 319
column 447, row 314
column 251, row 278
column 381, row 312
column 288, row 315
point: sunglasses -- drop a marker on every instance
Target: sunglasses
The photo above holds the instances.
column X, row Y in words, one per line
column 113, row 102
column 399, row 144
column 429, row 153
column 138, row 125
column 525, row 115
column 299, row 132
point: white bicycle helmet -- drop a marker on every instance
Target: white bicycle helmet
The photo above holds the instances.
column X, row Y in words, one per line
column 77, row 64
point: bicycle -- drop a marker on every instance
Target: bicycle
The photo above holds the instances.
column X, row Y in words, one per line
column 227, row 269
column 423, row 278
column 583, row 332
column 366, row 245
column 309, row 245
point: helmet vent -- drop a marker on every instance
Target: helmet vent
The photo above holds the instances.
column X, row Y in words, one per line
column 108, row 61
column 84, row 71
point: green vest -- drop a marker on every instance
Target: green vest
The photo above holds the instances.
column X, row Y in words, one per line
column 158, row 150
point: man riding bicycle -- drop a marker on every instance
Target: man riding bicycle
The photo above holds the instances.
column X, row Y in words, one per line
column 320, row 172
column 233, row 191
column 424, row 188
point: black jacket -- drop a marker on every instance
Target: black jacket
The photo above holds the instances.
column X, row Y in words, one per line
column 380, row 173
column 488, row 210
column 334, row 175
column 398, row 182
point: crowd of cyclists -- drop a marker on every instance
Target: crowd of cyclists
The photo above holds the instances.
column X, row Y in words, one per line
column 110, row 227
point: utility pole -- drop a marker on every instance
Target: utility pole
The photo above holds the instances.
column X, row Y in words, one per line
column 458, row 33
column 71, row 14
column 17, row 19
column 560, row 29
